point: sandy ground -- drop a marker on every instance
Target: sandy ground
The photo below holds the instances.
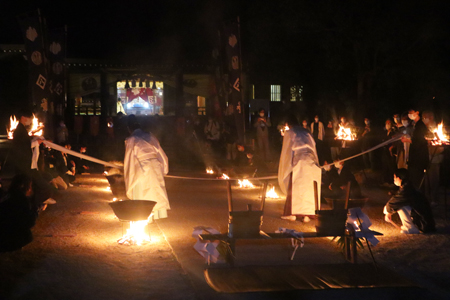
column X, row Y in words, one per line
column 74, row 254
column 90, row 265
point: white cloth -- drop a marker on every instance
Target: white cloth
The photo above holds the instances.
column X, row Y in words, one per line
column 299, row 156
column 145, row 165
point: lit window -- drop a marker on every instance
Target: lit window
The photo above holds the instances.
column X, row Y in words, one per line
column 296, row 93
column 201, row 106
column 275, row 93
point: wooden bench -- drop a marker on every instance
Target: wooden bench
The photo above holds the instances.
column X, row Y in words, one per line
column 350, row 247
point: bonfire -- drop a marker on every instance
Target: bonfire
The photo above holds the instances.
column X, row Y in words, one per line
column 345, row 134
column 245, row 184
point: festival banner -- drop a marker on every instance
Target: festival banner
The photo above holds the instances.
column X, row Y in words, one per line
column 31, row 25
column 233, row 53
column 56, row 56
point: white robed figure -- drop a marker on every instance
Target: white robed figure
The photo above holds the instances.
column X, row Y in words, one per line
column 145, row 165
column 297, row 171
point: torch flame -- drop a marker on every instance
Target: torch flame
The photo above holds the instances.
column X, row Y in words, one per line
column 284, row 129
column 440, row 135
column 272, row 194
column 36, row 127
column 136, row 234
column 345, row 133
column 209, row 171
column 224, row 176
column 13, row 122
column 245, row 184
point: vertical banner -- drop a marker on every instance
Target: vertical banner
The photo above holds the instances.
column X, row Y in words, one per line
column 56, row 56
column 233, row 53
column 31, row 26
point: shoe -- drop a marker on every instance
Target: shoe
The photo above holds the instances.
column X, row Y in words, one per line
column 289, row 218
column 50, row 201
column 411, row 231
column 306, row 219
column 71, row 185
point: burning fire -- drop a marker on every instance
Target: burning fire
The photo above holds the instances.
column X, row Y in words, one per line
column 36, row 127
column 272, row 194
column 245, row 184
column 136, row 234
column 284, row 129
column 12, row 126
column 209, row 171
column 345, row 133
column 224, row 176
column 440, row 136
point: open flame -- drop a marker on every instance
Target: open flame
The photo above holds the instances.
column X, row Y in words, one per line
column 37, row 128
column 136, row 234
column 13, row 122
column 440, row 136
column 209, row 171
column 345, row 133
column 224, row 176
column 272, row 194
column 284, row 129
column 245, row 184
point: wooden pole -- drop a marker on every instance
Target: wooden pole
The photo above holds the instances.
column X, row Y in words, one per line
column 263, row 196
column 347, row 195
column 316, row 195
column 230, row 203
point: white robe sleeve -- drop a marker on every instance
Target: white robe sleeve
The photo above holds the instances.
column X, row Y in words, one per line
column 285, row 166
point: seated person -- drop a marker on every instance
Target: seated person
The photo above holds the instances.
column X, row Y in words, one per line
column 65, row 166
column 18, row 214
column 337, row 179
column 83, row 166
column 411, row 206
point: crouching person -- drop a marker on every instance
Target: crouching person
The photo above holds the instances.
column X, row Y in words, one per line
column 411, row 206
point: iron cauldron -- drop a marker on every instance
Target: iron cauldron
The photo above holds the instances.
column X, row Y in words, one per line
column 117, row 184
column 133, row 210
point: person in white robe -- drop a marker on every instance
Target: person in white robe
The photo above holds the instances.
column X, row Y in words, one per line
column 297, row 171
column 145, row 165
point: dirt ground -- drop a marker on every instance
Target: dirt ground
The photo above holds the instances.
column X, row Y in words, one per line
column 74, row 254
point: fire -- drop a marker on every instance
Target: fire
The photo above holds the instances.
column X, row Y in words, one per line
column 36, row 127
column 284, row 129
column 136, row 234
column 345, row 133
column 272, row 194
column 209, row 171
column 13, row 122
column 245, row 184
column 440, row 136
column 224, row 176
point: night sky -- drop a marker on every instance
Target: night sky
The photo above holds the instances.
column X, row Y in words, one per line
column 372, row 56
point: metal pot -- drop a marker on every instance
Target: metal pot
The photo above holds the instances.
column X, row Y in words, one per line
column 133, row 210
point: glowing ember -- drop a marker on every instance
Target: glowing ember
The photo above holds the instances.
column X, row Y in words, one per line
column 209, row 171
column 36, row 127
column 114, row 199
column 272, row 194
column 345, row 133
column 224, row 176
column 13, row 122
column 284, row 129
column 245, row 184
column 136, row 234
column 105, row 173
column 108, row 188
column 440, row 136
